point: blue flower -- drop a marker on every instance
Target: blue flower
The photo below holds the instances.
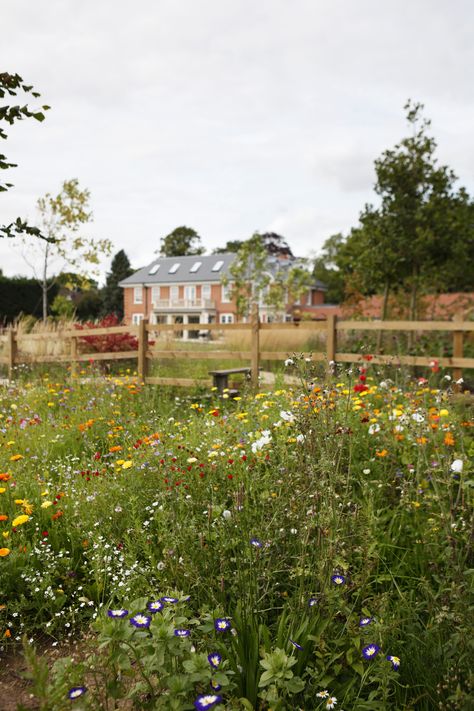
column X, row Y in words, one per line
column 166, row 598
column 338, row 579
column 214, row 659
column 182, row 633
column 364, row 621
column 370, row 651
column 155, row 606
column 295, row 644
column 214, row 685
column 140, row 621
column 256, row 543
column 76, row 692
column 222, row 624
column 395, row 661
column 206, row 701
column 117, row 613
column 313, row 601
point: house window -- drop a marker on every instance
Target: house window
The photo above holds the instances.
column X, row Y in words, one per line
column 206, row 291
column 225, row 294
column 190, row 293
column 138, row 294
column 174, row 268
column 218, row 265
column 227, row 318
column 195, row 267
column 174, row 293
column 155, row 294
column 154, row 269
column 136, row 318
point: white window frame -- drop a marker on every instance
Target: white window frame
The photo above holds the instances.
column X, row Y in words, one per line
column 190, row 292
column 206, row 292
column 174, row 292
column 155, row 294
column 136, row 319
column 138, row 294
column 226, row 318
column 225, row 293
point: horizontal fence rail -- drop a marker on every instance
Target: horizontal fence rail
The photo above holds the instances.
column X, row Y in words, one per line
column 11, row 343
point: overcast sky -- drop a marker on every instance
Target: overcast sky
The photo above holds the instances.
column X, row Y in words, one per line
column 229, row 116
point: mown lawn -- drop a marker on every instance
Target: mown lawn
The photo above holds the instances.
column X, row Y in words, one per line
column 306, row 548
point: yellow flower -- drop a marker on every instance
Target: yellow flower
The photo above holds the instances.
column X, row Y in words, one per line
column 4, row 552
column 5, row 534
column 127, row 464
column 46, row 504
column 27, row 507
column 2, row 489
column 16, row 457
column 443, row 413
column 20, row 520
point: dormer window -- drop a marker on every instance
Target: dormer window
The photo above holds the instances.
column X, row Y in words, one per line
column 218, row 265
column 174, row 268
column 154, row 269
column 195, row 267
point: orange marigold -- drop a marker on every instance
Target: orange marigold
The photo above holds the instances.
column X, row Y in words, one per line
column 448, row 439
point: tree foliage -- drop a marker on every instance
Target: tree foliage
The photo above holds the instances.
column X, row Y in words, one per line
column 263, row 274
column 112, row 293
column 10, row 86
column 182, row 241
column 421, row 235
column 61, row 218
column 21, row 295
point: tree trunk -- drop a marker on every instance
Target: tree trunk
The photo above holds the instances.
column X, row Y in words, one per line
column 386, row 293
column 44, row 284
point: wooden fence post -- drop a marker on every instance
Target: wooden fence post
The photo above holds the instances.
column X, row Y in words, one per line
column 73, row 357
column 12, row 349
column 458, row 346
column 255, row 345
column 331, row 338
column 142, row 349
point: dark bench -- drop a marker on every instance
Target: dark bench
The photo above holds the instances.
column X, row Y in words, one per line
column 221, row 377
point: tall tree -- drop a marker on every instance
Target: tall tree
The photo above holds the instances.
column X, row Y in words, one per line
column 257, row 274
column 61, row 218
column 232, row 245
column 112, row 293
column 11, row 85
column 413, row 233
column 181, row 242
column 421, row 235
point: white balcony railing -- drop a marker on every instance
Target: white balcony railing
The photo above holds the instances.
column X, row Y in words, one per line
column 186, row 304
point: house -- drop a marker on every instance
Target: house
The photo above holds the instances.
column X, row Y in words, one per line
column 190, row 290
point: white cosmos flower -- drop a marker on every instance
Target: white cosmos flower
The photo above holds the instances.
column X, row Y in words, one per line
column 457, row 466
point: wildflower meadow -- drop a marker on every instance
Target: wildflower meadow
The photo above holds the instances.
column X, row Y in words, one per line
column 307, row 547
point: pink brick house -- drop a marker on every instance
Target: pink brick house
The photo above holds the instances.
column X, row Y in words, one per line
column 190, row 290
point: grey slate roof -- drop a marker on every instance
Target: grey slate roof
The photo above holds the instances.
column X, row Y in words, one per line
column 182, row 274
column 204, row 273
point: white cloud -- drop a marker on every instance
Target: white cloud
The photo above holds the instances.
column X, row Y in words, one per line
column 230, row 117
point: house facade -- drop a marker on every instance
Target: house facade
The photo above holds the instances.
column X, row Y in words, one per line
column 190, row 290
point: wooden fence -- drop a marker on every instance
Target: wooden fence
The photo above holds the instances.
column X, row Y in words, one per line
column 332, row 327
